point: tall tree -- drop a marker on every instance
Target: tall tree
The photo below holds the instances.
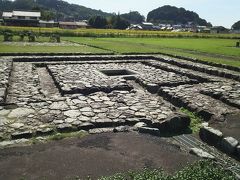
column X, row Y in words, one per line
column 98, row 22
column 133, row 17
column 120, row 23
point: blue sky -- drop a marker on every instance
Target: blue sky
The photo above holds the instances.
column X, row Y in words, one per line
column 218, row 12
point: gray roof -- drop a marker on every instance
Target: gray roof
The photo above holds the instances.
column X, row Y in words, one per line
column 22, row 13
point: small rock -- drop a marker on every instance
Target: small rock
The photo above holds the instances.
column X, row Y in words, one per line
column 152, row 131
column 44, row 132
column 84, row 118
column 140, row 124
column 99, row 123
column 86, row 109
column 6, row 143
column 43, row 111
column 65, row 128
column 61, row 105
column 16, row 125
column 86, row 126
column 201, row 153
column 121, row 129
column 140, row 114
column 58, row 121
column 100, row 130
column 21, row 135
column 72, row 113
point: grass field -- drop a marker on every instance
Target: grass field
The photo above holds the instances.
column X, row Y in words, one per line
column 213, row 50
column 208, row 49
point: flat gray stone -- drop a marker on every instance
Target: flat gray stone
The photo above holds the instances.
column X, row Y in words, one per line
column 72, row 113
column 61, row 105
column 17, row 125
column 20, row 112
column 100, row 130
column 148, row 130
column 200, row 153
column 43, row 111
column 86, row 109
column 4, row 112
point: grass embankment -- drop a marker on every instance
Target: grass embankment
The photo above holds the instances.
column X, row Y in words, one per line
column 197, row 171
column 118, row 33
column 213, row 50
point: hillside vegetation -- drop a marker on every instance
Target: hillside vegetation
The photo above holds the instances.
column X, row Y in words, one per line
column 174, row 15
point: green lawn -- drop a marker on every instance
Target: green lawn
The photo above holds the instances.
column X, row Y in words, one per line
column 214, row 50
column 50, row 49
column 20, row 48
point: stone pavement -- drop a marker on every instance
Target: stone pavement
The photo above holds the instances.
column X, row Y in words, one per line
column 41, row 96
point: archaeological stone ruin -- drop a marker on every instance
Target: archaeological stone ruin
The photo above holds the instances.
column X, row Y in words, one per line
column 43, row 95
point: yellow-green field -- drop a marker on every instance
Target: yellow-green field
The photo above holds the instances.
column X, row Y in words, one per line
column 118, row 33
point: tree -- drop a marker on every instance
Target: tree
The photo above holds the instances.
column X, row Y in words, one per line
column 120, row 23
column 98, row 22
column 48, row 15
column 133, row 17
column 23, row 4
column 236, row 26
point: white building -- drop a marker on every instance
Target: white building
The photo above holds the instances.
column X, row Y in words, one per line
column 21, row 18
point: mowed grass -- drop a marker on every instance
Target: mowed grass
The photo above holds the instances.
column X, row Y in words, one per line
column 21, row 48
column 214, row 50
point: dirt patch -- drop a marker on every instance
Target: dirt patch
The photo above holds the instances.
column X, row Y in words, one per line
column 94, row 156
column 230, row 127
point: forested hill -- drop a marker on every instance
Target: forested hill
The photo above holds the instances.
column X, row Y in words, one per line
column 174, row 15
column 52, row 8
column 62, row 10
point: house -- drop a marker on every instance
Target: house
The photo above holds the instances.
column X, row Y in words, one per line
column 147, row 26
column 47, row 24
column 219, row 29
column 21, row 18
column 73, row 25
column 134, row 27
